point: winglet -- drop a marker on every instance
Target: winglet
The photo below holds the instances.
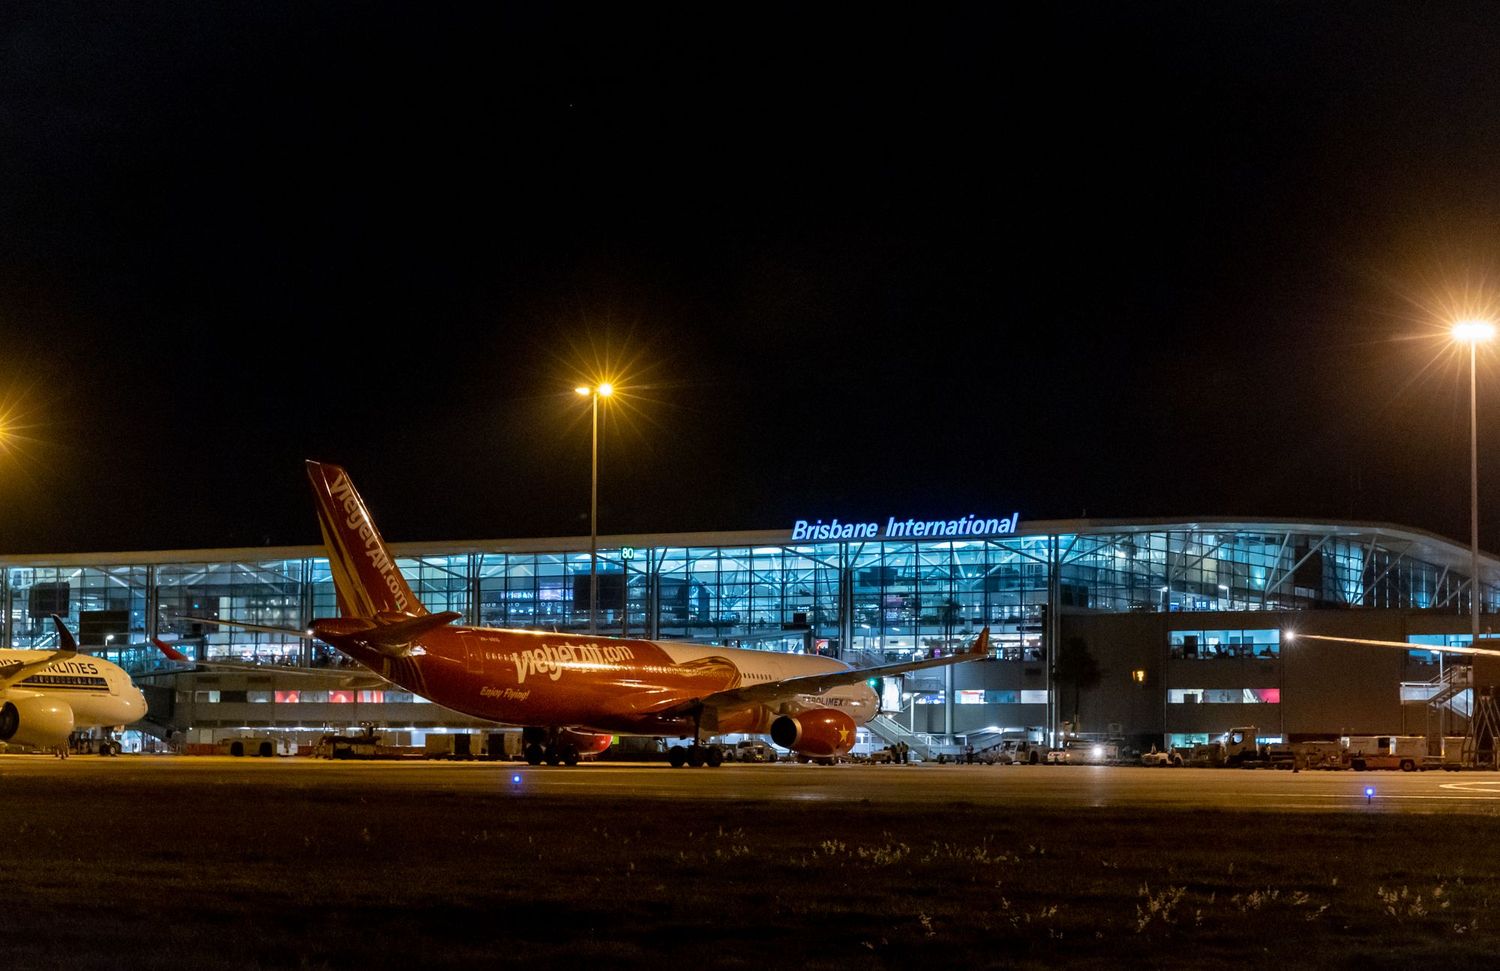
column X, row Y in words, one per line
column 65, row 639
column 171, row 652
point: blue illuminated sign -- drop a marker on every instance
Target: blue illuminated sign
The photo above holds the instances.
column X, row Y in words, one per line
column 970, row 525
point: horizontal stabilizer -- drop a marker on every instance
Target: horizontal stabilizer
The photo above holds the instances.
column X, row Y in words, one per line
column 397, row 639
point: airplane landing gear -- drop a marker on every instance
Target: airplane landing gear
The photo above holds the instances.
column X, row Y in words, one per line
column 695, row 755
column 541, row 744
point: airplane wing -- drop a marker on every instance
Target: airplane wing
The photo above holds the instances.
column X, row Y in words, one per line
column 347, row 679
column 393, row 638
column 14, row 671
column 812, row 684
column 306, row 635
column 1399, row 645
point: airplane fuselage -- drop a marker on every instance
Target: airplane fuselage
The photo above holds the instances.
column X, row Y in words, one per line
column 99, row 692
column 601, row 684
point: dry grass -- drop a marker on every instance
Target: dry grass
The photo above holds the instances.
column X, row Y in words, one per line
column 242, row 877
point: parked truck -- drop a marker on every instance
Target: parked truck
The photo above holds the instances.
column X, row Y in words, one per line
column 1404, row 752
column 1308, row 755
column 1236, row 747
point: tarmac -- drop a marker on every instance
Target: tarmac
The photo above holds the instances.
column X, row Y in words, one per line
column 1003, row 787
column 180, row 862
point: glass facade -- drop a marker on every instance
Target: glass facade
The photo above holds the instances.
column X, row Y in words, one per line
column 867, row 601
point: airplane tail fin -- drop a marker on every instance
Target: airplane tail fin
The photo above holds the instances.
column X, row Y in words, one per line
column 171, row 653
column 364, row 572
column 65, row 642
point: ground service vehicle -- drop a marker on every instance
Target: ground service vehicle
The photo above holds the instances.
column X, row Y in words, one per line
column 1233, row 748
column 1156, row 758
column 1404, row 752
column 362, row 745
column 1078, row 751
column 255, row 745
column 1307, row 755
column 751, row 750
column 1019, row 752
column 458, row 746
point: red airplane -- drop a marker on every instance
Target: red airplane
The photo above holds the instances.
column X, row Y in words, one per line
column 571, row 692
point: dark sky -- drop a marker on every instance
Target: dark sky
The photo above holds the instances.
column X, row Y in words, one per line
column 1116, row 260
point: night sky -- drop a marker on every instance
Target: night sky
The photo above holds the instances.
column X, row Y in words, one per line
column 1141, row 260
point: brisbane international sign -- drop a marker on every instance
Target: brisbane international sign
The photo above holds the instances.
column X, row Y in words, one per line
column 970, row 525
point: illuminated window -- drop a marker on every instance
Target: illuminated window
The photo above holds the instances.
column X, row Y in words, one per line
column 341, row 697
column 1211, row 644
column 1033, row 697
column 1224, row 696
column 258, row 697
column 971, row 697
column 287, row 697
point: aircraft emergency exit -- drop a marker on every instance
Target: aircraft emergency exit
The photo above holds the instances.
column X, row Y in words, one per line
column 571, row 692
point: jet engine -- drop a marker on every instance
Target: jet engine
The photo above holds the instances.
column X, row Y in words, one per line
column 823, row 733
column 40, row 721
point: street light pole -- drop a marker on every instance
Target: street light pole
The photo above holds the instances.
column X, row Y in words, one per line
column 1473, row 332
column 1474, row 488
column 594, row 393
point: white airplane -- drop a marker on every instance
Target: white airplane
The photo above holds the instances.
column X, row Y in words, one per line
column 45, row 696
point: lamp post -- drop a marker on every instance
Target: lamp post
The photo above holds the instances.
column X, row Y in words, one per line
column 594, row 393
column 1473, row 333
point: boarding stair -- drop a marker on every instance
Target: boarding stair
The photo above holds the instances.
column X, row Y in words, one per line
column 888, row 728
column 1446, row 704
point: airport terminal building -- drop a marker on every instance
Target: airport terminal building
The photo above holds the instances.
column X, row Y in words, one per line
column 1152, row 631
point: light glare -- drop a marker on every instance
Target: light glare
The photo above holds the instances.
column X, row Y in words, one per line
column 1473, row 331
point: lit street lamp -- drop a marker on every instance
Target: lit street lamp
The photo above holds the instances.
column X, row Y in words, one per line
column 594, row 393
column 1473, row 333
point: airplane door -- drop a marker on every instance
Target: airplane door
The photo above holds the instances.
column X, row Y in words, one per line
column 473, row 658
